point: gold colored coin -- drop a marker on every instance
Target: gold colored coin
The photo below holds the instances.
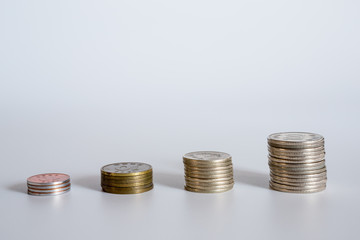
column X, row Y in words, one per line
column 127, row 179
column 127, row 190
column 126, row 169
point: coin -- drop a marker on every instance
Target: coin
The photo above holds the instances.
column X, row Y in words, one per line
column 229, row 167
column 296, row 152
column 291, row 179
column 48, row 193
column 207, row 156
column 307, row 187
column 297, row 166
column 48, row 179
column 208, row 164
column 281, row 159
column 126, row 169
column 207, row 190
column 127, row 190
column 298, row 191
column 279, row 171
column 295, row 140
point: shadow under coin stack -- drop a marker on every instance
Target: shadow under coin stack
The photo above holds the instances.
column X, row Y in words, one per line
column 297, row 162
column 48, row 184
column 208, row 172
column 127, row 178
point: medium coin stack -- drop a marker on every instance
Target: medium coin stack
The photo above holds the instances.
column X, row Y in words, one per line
column 208, row 172
column 48, row 184
column 297, row 162
column 127, row 178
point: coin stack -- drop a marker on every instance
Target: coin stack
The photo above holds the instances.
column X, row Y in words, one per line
column 297, row 162
column 208, row 172
column 48, row 184
column 126, row 178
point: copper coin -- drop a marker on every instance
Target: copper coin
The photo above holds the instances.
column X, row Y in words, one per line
column 48, row 179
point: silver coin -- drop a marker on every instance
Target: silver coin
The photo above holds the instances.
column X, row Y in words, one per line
column 48, row 194
column 49, row 187
column 302, row 179
column 296, row 164
column 281, row 172
column 295, row 140
column 49, row 190
column 207, row 169
column 295, row 137
column 207, row 190
column 298, row 191
column 282, row 159
column 207, row 156
column 205, row 180
column 212, row 172
column 199, row 187
column 297, row 167
column 207, row 164
column 204, row 177
column 295, row 153
column 126, row 167
column 300, row 184
column 309, row 174
column 307, row 187
column 208, row 185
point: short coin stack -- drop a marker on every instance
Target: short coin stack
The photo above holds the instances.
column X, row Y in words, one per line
column 208, row 172
column 127, row 178
column 297, row 162
column 48, row 184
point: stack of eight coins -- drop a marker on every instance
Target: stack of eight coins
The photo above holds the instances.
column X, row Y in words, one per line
column 297, row 162
column 208, row 172
column 48, row 184
column 126, row 178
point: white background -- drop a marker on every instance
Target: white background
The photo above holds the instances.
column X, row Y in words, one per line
column 88, row 83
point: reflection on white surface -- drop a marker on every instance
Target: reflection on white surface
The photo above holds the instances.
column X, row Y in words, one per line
column 51, row 203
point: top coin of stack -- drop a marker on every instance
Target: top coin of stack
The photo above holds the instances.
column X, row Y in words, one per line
column 208, row 172
column 126, row 178
column 48, row 184
column 297, row 162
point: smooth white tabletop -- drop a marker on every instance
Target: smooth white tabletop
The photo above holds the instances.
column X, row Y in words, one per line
column 88, row 83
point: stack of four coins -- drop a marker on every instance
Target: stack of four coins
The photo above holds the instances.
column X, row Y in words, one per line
column 48, row 184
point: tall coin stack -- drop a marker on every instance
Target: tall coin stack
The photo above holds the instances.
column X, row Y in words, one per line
column 48, row 184
column 208, row 172
column 127, row 178
column 297, row 162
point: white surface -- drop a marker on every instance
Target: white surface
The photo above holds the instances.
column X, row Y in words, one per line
column 87, row 83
